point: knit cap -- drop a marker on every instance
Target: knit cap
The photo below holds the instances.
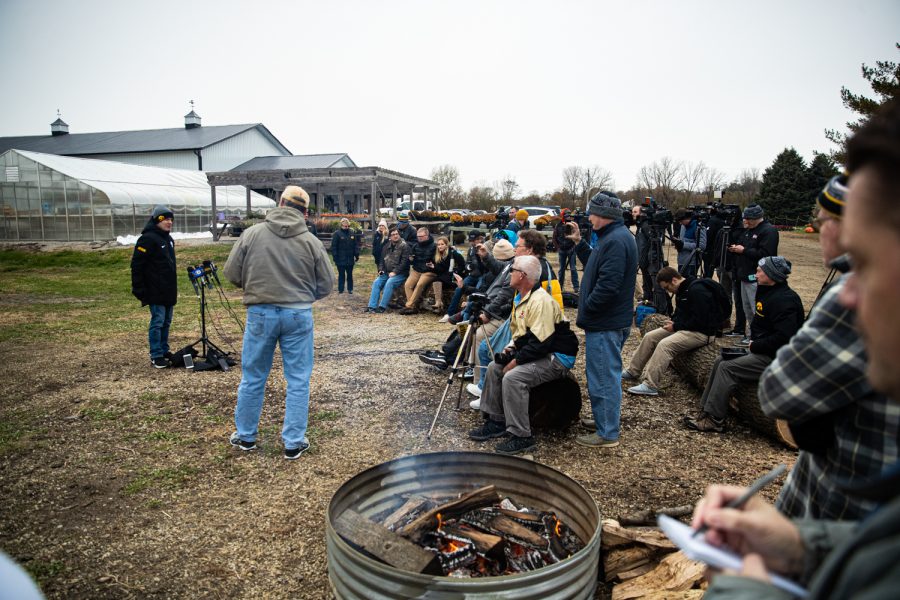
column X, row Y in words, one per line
column 833, row 196
column 776, row 267
column 606, row 205
column 754, row 211
column 403, row 217
column 161, row 213
column 503, row 250
column 521, row 214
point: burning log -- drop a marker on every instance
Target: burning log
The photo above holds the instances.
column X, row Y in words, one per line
column 507, row 528
column 385, row 545
column 485, row 543
column 428, row 521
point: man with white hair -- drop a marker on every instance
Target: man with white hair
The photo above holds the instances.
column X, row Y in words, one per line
column 542, row 349
column 283, row 269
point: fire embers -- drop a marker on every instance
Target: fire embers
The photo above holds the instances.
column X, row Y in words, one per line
column 500, row 540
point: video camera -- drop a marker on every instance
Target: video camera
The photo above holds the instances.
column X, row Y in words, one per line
column 651, row 213
column 730, row 213
column 476, row 302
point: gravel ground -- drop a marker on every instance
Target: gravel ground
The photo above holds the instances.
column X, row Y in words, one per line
column 118, row 480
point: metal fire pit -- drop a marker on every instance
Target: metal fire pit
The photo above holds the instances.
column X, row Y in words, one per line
column 355, row 575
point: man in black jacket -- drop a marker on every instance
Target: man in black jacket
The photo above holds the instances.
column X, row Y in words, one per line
column 758, row 240
column 542, row 349
column 566, row 249
column 153, row 280
column 421, row 261
column 698, row 316
column 779, row 314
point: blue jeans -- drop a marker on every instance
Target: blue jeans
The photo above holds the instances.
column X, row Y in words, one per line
column 383, row 287
column 564, row 258
column 499, row 340
column 158, row 334
column 603, row 366
column 471, row 281
column 292, row 330
column 345, row 271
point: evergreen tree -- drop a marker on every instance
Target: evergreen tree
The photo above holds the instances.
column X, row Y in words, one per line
column 821, row 169
column 884, row 78
column 785, row 190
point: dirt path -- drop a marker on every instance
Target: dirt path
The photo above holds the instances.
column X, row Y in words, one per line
column 118, row 481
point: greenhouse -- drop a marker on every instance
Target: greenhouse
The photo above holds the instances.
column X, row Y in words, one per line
column 50, row 197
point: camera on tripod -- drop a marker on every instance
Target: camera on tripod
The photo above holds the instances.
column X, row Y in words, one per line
column 476, row 302
column 730, row 213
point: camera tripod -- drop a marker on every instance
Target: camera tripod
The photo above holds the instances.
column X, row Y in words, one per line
column 466, row 353
column 655, row 262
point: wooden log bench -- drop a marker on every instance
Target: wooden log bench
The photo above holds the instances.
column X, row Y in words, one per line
column 696, row 366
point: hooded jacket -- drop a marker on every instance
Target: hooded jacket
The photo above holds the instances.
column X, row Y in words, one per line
column 345, row 247
column 759, row 242
column 695, row 308
column 153, row 270
column 779, row 314
column 280, row 262
column 500, row 294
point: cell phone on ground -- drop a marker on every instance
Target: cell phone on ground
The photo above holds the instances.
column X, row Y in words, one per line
column 188, row 361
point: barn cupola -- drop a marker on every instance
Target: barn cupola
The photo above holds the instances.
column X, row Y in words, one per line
column 192, row 119
column 59, row 127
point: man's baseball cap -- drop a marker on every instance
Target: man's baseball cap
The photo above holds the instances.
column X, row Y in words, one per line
column 295, row 197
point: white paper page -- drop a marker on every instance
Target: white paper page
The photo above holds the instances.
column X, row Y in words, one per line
column 697, row 548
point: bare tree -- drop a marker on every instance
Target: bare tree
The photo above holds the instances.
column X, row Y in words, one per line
column 713, row 180
column 572, row 181
column 508, row 189
column 595, row 178
column 451, row 190
column 662, row 178
column 692, row 175
column 482, row 197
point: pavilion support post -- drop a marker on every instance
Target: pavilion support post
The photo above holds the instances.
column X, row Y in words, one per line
column 341, row 205
column 372, row 204
column 248, row 200
column 212, row 217
column 394, row 207
column 319, row 200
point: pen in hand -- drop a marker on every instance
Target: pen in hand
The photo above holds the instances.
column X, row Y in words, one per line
column 754, row 488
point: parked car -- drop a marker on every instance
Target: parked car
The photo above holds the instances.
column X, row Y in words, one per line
column 534, row 212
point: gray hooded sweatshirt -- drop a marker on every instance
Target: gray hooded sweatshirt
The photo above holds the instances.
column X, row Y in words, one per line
column 280, row 262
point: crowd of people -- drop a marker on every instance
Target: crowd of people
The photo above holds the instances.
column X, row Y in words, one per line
column 833, row 375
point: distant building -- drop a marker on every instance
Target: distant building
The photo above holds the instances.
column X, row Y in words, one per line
column 50, row 197
column 216, row 148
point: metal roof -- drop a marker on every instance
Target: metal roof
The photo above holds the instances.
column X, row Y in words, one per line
column 303, row 161
column 140, row 185
column 117, row 142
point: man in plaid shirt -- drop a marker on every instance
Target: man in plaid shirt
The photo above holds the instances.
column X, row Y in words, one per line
column 847, row 431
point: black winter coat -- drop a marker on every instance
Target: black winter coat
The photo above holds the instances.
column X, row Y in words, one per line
column 421, row 253
column 345, row 247
column 408, row 234
column 695, row 308
column 378, row 242
column 759, row 242
column 153, row 271
column 779, row 314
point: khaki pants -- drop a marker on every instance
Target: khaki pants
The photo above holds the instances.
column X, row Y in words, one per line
column 415, row 285
column 658, row 348
column 505, row 397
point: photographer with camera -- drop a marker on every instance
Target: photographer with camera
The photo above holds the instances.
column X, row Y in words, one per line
column 690, row 243
column 566, row 249
column 154, row 281
column 470, row 277
column 642, row 238
column 543, row 348
column 757, row 240
column 714, row 224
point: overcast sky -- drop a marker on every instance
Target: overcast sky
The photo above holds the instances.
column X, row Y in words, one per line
column 495, row 88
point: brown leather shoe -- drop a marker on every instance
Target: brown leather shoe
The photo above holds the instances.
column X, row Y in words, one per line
column 409, row 311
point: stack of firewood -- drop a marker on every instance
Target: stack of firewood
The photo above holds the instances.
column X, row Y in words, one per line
column 641, row 562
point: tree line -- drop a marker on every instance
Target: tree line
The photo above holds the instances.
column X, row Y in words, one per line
column 786, row 190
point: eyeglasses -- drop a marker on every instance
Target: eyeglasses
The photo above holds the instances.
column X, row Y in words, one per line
column 511, row 269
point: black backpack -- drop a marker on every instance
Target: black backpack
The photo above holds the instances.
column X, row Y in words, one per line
column 722, row 302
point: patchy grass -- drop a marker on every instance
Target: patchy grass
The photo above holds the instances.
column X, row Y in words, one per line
column 44, row 570
column 165, row 478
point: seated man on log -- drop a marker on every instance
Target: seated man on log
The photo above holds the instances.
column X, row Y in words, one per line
column 779, row 314
column 824, row 413
column 543, row 348
column 700, row 309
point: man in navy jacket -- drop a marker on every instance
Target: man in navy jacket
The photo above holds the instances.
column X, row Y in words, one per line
column 605, row 308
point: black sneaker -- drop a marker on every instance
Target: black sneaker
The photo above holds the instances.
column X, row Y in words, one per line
column 434, row 361
column 469, row 374
column 516, row 445
column 294, row 453
column 368, row 310
column 241, row 444
column 705, row 423
column 378, row 310
column 160, row 362
column 490, row 429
